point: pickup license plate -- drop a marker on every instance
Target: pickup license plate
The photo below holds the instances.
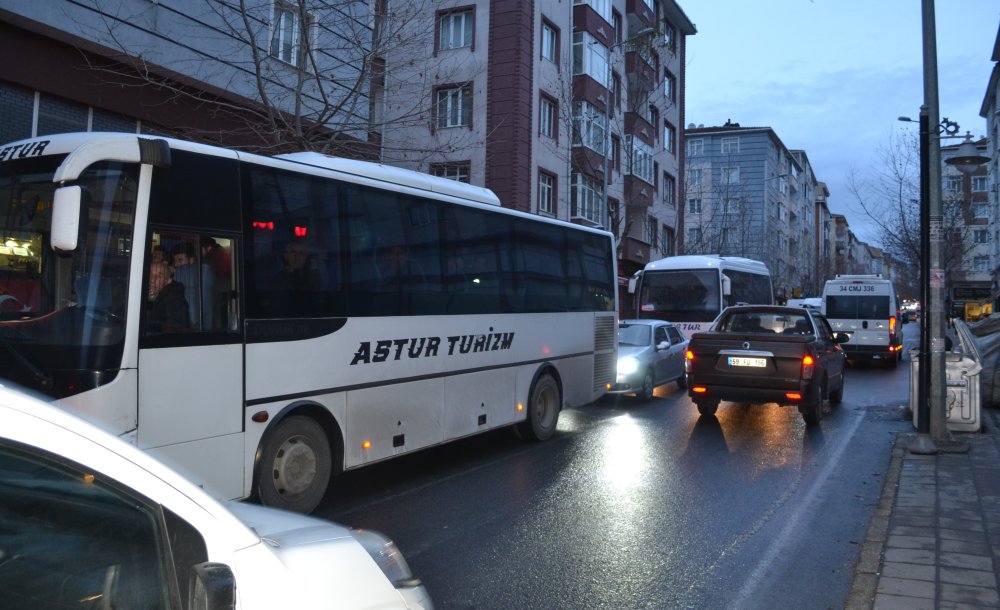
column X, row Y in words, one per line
column 742, row 361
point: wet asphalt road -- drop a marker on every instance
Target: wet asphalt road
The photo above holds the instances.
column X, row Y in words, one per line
column 643, row 505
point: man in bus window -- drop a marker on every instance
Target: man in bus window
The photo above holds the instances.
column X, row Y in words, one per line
column 300, row 271
column 198, row 286
column 167, row 308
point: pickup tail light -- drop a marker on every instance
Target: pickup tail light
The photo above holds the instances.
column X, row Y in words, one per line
column 688, row 359
column 808, row 366
column 699, row 389
column 793, row 396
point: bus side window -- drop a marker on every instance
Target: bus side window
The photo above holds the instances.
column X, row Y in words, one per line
column 192, row 273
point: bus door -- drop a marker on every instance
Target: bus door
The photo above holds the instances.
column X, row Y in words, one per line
column 190, row 403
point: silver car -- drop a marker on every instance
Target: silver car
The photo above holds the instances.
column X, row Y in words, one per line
column 650, row 353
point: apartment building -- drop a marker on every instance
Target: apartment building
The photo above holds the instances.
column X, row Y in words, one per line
column 566, row 109
column 747, row 194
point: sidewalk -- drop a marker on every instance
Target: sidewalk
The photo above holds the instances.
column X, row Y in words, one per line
column 934, row 541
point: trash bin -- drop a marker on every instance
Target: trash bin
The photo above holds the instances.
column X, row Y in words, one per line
column 962, row 399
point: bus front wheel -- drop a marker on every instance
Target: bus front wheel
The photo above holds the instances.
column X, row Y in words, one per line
column 295, row 465
column 544, row 404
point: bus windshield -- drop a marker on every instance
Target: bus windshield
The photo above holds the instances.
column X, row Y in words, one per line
column 686, row 295
column 62, row 324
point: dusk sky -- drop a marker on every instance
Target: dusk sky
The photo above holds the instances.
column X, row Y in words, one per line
column 831, row 77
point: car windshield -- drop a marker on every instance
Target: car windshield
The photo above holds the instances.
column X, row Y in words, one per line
column 633, row 334
column 62, row 316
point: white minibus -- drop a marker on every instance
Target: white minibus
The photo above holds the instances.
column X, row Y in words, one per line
column 866, row 309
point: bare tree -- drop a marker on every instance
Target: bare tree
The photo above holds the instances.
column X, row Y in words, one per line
column 889, row 195
column 279, row 74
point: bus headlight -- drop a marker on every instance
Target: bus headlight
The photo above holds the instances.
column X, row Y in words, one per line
column 627, row 365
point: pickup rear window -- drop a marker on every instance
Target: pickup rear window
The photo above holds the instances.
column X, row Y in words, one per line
column 762, row 322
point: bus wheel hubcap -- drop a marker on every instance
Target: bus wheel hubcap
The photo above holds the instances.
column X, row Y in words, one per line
column 294, row 466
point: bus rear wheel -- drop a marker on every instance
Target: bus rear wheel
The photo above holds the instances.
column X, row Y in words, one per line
column 544, row 404
column 295, row 465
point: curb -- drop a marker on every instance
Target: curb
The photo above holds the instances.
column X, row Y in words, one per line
column 866, row 572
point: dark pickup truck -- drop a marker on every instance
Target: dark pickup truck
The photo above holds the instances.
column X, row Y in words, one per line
column 764, row 353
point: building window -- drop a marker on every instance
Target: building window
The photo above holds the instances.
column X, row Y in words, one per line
column 588, row 127
column 669, row 190
column 639, row 159
column 979, row 184
column 546, row 193
column 550, row 42
column 694, row 236
column 694, row 205
column 590, row 57
column 287, row 40
column 669, row 36
column 695, row 148
column 669, row 138
column 548, row 115
column 730, row 146
column 670, row 86
column 953, row 183
column 731, row 206
column 454, row 107
column 980, row 210
column 616, row 153
column 981, row 236
column 981, row 263
column 651, row 229
column 694, row 176
column 601, row 7
column 455, row 29
column 453, row 171
column 667, row 243
column 730, row 174
column 585, row 198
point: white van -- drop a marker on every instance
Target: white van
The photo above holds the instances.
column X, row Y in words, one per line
column 865, row 308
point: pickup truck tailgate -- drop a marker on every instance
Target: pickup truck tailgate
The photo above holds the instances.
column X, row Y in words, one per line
column 765, row 361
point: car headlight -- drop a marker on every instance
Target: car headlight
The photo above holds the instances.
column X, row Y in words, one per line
column 388, row 557
column 627, row 365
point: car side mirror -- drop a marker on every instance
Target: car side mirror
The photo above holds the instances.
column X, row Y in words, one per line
column 841, row 337
column 663, row 345
column 213, row 587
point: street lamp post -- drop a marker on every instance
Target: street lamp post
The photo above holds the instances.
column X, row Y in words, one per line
column 932, row 394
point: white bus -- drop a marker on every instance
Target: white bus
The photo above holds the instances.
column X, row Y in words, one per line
column 335, row 313
column 691, row 290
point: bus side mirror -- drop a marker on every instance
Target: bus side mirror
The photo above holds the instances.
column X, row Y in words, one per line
column 66, row 218
column 631, row 285
column 727, row 286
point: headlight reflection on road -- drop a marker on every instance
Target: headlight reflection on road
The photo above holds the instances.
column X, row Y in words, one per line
column 624, row 455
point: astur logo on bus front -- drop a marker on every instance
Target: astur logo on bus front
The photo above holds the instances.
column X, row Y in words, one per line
column 428, row 347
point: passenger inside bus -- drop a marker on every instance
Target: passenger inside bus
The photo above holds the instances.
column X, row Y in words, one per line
column 199, row 285
column 167, row 310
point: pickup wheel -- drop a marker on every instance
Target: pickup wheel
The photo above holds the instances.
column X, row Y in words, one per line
column 645, row 393
column 707, row 407
column 838, row 395
column 812, row 411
